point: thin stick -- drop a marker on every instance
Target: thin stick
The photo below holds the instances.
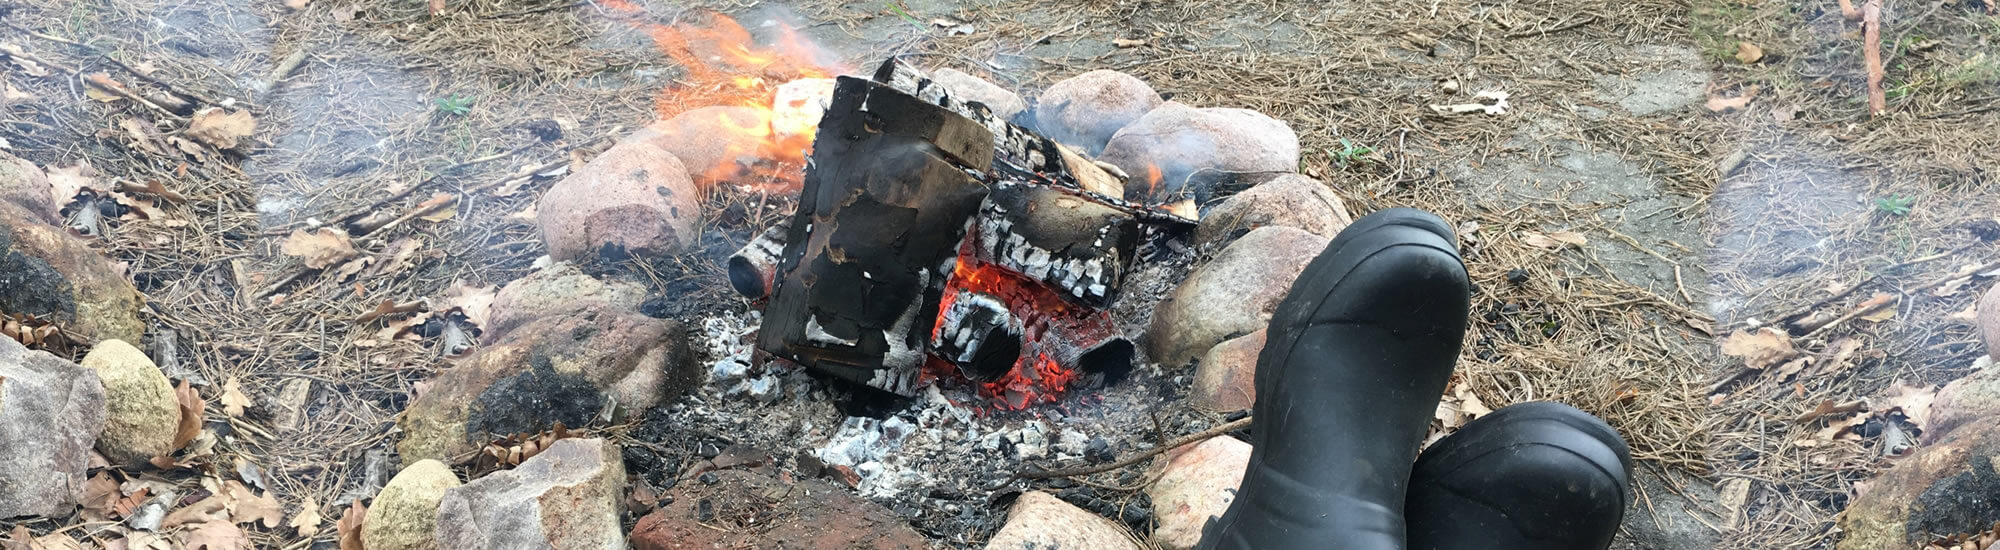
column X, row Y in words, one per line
column 1135, row 458
column 1560, row 28
column 1871, row 37
column 104, row 81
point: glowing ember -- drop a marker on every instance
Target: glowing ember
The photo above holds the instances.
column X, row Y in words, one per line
column 1055, row 333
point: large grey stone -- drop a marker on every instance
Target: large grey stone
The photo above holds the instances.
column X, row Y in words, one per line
column 633, row 199
column 1290, row 200
column 1964, row 401
column 1946, row 487
column 566, row 369
column 404, row 515
column 1232, row 295
column 1179, row 140
column 51, row 412
column 26, row 186
column 566, row 498
column 144, row 415
column 1085, row 110
column 47, row 273
column 560, row 290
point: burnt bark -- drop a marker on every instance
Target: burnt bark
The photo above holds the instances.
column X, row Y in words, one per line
column 884, row 205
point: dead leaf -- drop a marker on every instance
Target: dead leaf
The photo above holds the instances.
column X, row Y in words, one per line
column 308, row 519
column 1913, row 401
column 320, row 249
column 349, row 526
column 249, row 507
column 56, row 541
column 101, row 496
column 216, row 535
column 1879, row 315
column 1840, row 357
column 233, row 400
column 10, row 94
column 1460, row 406
column 143, row 135
column 1748, row 53
column 220, row 128
column 100, row 87
column 1759, row 349
column 189, row 148
column 1969, row 315
column 397, row 256
column 214, row 509
column 66, row 183
column 20, row 58
column 476, row 302
column 1127, row 42
column 440, row 207
column 191, row 412
column 1554, row 241
column 1792, row 367
column 343, row 13
column 1720, row 104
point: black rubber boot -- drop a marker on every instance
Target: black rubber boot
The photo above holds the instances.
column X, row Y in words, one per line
column 1348, row 380
column 1531, row 476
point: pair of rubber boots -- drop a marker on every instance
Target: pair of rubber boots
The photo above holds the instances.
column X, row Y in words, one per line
column 1356, row 358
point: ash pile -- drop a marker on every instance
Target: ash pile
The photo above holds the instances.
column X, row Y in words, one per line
column 957, row 298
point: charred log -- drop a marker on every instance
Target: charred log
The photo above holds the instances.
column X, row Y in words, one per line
column 886, row 196
column 979, row 335
column 752, row 269
column 1079, row 246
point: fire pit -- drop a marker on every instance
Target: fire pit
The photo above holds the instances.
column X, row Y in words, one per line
column 935, row 240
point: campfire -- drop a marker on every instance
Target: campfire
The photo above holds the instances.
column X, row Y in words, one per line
column 934, row 240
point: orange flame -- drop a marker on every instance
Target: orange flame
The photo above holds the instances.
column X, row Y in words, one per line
column 1153, row 178
column 726, row 66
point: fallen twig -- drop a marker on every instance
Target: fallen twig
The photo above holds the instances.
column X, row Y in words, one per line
column 1586, row 20
column 1869, row 306
column 1871, row 38
column 104, row 82
column 1136, row 457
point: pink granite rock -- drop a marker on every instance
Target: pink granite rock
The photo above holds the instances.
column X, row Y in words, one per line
column 1085, row 110
column 633, row 199
column 1225, row 380
column 1233, row 294
column 1199, row 483
column 1180, row 140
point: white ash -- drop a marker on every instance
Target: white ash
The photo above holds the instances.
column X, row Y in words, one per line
column 939, row 458
column 727, row 339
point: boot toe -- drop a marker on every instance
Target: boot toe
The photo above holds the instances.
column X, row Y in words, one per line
column 1543, row 475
